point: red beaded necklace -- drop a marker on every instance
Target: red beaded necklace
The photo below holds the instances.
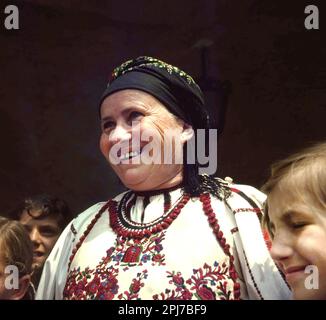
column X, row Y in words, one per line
column 128, row 229
column 143, row 230
column 209, row 212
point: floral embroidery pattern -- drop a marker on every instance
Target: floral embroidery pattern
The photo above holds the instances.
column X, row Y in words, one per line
column 207, row 283
column 103, row 286
column 130, row 252
column 180, row 293
column 102, row 283
column 135, row 287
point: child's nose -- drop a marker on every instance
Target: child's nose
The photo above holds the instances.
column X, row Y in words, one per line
column 35, row 236
column 281, row 248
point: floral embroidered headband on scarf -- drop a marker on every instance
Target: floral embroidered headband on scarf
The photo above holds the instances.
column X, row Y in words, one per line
column 171, row 86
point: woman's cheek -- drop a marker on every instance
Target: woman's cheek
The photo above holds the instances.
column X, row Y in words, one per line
column 104, row 145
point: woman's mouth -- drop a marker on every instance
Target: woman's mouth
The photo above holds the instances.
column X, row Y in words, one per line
column 130, row 155
column 133, row 154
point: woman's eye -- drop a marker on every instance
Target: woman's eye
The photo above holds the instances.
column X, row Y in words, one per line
column 108, row 125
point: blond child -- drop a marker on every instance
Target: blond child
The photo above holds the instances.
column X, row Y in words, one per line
column 296, row 219
column 16, row 257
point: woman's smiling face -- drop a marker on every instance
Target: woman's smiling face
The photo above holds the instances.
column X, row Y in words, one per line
column 135, row 126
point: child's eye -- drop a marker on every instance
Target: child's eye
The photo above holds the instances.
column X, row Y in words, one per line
column 134, row 115
column 298, row 225
column 48, row 232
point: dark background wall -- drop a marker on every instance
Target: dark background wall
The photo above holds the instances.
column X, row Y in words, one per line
column 55, row 67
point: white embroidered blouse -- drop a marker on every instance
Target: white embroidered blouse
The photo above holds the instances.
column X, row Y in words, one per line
column 184, row 259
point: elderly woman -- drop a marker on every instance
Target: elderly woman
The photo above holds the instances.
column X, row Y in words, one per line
column 175, row 233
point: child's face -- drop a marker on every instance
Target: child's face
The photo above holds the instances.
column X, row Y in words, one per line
column 43, row 231
column 299, row 241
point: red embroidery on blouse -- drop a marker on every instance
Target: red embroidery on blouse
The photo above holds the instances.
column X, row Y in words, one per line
column 134, row 288
column 129, row 252
column 206, row 283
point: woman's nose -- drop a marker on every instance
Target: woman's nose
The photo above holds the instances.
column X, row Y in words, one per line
column 120, row 133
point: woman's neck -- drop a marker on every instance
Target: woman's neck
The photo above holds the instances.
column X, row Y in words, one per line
column 169, row 184
column 175, row 181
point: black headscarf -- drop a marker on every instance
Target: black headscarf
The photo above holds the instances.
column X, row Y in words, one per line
column 176, row 90
column 171, row 86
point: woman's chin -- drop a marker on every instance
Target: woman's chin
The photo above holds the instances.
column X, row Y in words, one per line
column 133, row 178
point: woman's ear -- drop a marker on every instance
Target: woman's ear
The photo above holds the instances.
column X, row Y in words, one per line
column 24, row 283
column 187, row 132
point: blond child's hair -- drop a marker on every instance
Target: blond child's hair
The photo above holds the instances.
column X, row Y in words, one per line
column 16, row 249
column 305, row 176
